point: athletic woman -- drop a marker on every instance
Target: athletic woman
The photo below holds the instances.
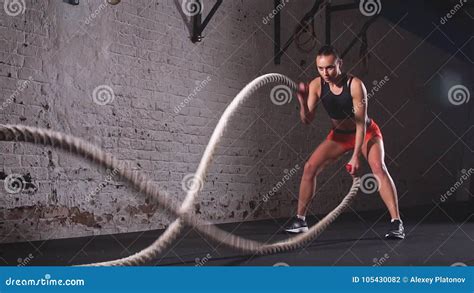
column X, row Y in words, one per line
column 345, row 99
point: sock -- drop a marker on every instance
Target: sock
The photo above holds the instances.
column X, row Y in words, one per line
column 393, row 220
column 301, row 217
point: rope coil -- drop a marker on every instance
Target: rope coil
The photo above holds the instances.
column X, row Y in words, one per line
column 146, row 187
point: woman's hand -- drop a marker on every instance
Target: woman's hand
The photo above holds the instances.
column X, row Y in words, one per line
column 302, row 93
column 354, row 165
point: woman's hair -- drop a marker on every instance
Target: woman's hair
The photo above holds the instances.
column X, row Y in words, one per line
column 327, row 50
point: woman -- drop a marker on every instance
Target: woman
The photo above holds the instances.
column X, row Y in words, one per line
column 345, row 99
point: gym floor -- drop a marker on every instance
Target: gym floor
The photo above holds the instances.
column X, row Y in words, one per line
column 434, row 238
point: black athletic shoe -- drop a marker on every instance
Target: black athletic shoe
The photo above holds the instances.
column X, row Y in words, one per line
column 296, row 225
column 396, row 230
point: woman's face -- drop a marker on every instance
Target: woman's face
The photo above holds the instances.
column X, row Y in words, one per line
column 329, row 67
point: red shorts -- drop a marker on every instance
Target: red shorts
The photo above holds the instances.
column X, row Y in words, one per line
column 347, row 138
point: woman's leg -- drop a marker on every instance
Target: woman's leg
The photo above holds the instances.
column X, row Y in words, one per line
column 374, row 153
column 327, row 152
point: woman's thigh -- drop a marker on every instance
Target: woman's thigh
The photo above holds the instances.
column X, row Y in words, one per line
column 327, row 152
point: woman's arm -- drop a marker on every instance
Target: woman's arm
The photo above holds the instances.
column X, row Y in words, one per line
column 308, row 98
column 359, row 101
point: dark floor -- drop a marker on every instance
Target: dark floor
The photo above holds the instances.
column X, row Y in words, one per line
column 436, row 235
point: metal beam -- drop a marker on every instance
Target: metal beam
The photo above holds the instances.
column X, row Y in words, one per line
column 328, row 23
column 329, row 9
column 363, row 31
column 72, row 2
column 306, row 18
column 276, row 32
column 344, row 7
column 210, row 15
column 198, row 26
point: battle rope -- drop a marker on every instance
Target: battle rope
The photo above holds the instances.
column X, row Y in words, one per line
column 146, row 187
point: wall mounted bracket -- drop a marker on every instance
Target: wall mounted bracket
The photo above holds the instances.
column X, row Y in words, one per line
column 196, row 26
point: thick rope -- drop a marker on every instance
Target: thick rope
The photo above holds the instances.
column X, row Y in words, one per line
column 146, row 187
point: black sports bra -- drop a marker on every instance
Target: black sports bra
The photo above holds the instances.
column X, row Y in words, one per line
column 338, row 106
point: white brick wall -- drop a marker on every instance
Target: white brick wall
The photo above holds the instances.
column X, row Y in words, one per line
column 143, row 52
column 141, row 49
